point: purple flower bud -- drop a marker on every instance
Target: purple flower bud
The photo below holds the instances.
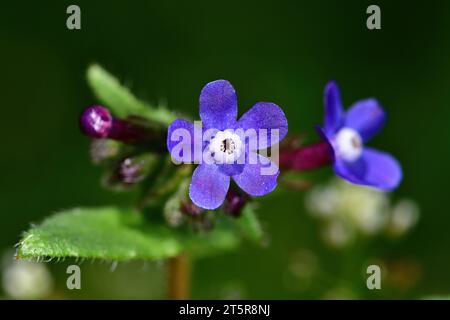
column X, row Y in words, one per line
column 96, row 122
column 190, row 209
column 234, row 203
column 196, row 217
column 132, row 170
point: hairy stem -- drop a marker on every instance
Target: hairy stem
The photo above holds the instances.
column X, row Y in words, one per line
column 179, row 277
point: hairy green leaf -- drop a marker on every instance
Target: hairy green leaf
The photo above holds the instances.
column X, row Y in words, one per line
column 111, row 233
column 121, row 101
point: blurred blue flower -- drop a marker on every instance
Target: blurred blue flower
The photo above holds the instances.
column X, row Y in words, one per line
column 224, row 152
column 347, row 132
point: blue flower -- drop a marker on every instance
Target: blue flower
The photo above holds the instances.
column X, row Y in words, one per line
column 347, row 132
column 223, row 150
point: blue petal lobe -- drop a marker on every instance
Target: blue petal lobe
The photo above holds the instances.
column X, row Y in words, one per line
column 263, row 118
column 334, row 112
column 259, row 178
column 367, row 117
column 218, row 105
column 209, row 186
column 375, row 168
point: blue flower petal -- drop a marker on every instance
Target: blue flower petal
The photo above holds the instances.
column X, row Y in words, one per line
column 218, row 105
column 254, row 180
column 231, row 169
column 375, row 168
column 180, row 137
column 325, row 138
column 334, row 112
column 367, row 117
column 209, row 186
column 268, row 116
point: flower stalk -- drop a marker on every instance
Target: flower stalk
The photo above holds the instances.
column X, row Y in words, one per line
column 179, row 277
column 305, row 158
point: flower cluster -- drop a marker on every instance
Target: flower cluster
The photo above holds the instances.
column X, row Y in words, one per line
column 232, row 153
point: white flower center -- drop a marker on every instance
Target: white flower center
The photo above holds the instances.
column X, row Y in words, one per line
column 225, row 147
column 348, row 144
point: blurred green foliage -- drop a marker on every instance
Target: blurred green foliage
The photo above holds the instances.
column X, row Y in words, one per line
column 280, row 51
column 121, row 101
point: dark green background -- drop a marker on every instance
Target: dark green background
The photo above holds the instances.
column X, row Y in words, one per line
column 277, row 51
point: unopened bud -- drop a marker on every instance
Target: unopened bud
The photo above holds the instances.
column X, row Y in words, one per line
column 234, row 203
column 134, row 169
column 97, row 122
